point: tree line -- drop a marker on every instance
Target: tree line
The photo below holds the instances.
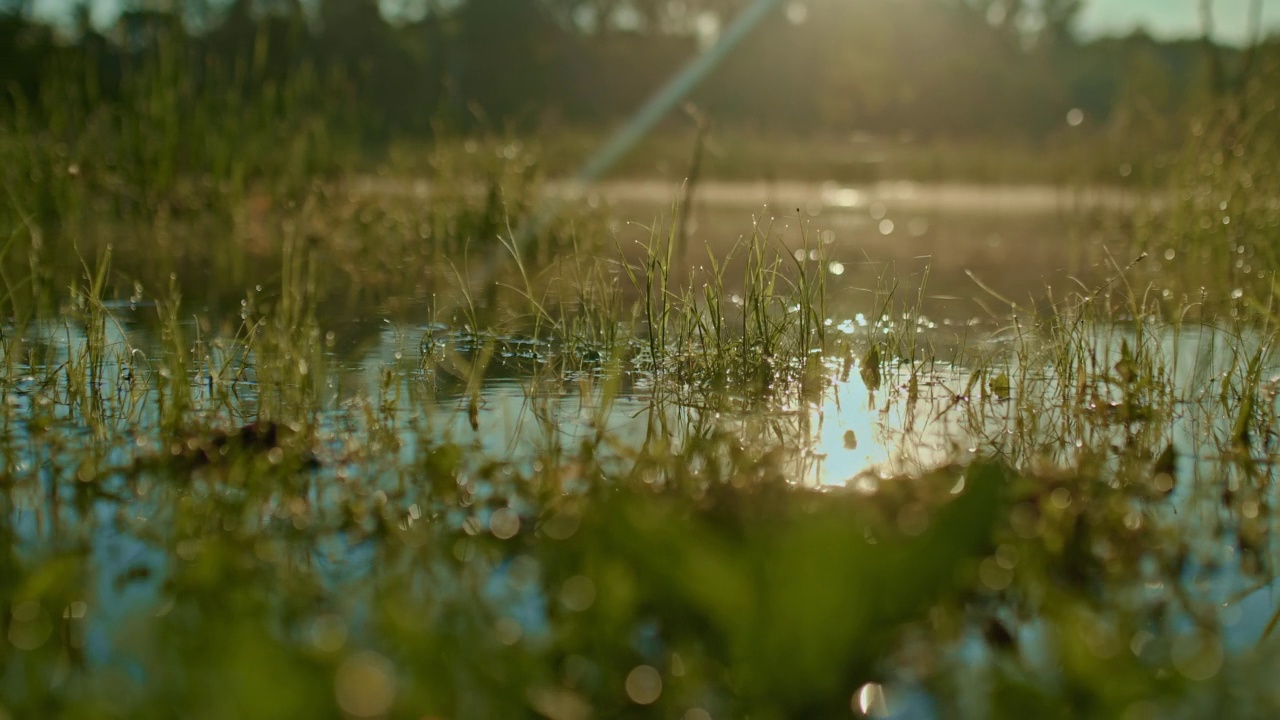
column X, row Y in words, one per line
column 928, row 68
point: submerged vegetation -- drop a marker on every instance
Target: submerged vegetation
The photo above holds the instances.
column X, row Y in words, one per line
column 557, row 473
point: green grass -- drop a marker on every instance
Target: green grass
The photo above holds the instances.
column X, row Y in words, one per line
column 206, row 511
column 1073, row 156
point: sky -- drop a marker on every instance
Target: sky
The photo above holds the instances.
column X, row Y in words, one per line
column 1167, row 19
column 1164, row 19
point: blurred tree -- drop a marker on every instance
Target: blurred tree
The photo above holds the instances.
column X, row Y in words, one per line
column 506, row 49
column 961, row 68
column 1058, row 18
column 356, row 40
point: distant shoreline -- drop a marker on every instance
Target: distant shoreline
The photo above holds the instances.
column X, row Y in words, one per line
column 809, row 195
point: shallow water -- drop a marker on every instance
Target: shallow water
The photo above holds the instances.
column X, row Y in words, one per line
column 847, row 436
column 948, row 241
column 396, row 380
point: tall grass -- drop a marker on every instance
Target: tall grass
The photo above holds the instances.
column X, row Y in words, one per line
column 207, row 513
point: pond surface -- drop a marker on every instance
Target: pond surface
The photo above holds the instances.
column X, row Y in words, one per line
column 394, row 392
column 952, row 254
column 950, row 240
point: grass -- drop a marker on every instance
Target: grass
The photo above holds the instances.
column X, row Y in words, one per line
column 1087, row 156
column 206, row 511
column 408, row 572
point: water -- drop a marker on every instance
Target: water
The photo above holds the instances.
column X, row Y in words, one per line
column 947, row 235
column 410, row 435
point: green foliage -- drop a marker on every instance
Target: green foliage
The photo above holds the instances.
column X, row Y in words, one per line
column 217, row 517
column 793, row 596
column 929, row 68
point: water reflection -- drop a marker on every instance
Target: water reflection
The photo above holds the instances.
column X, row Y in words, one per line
column 1018, row 240
column 846, row 435
column 433, row 405
column 922, row 416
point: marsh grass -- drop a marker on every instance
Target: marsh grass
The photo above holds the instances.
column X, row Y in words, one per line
column 346, row 539
column 207, row 512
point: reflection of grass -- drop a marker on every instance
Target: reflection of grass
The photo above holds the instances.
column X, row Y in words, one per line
column 205, row 517
column 368, row 566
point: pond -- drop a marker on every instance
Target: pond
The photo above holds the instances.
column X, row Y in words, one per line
column 813, row 450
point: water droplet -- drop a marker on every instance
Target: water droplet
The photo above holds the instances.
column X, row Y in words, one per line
column 560, row 703
column 797, row 13
column 1060, row 498
column 365, row 685
column 578, row 593
column 504, row 523
column 993, row 575
column 30, row 626
column 561, row 526
column 644, row 685
column 508, row 631
column 328, row 633
column 869, row 701
column 1007, row 556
